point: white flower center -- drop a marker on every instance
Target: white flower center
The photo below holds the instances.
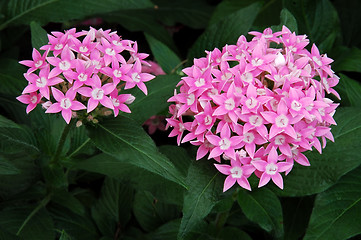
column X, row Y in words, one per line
column 257, row 62
column 248, row 137
column 41, row 82
column 116, row 102
column 64, row 65
column 261, row 92
column 281, row 121
column 190, row 99
column 110, row 52
column 98, row 93
column 200, row 82
column 295, row 105
column 247, row 77
column 236, row 172
column 251, row 103
column 271, row 169
column 136, row 77
column 82, row 77
column 229, row 104
column 65, row 103
column 317, row 60
column 117, row 43
column 274, row 104
column 280, row 140
column 34, row 99
column 83, row 49
column 117, row 73
column 224, row 144
column 241, row 153
column 255, row 120
column 58, row 46
column 208, row 120
column 38, row 63
column 321, row 111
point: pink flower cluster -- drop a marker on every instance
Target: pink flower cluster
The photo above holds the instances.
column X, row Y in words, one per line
column 84, row 70
column 257, row 105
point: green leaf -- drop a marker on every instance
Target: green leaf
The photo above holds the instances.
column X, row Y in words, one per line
column 317, row 19
column 350, row 91
column 76, row 226
column 288, row 20
column 205, row 186
column 337, row 158
column 67, row 200
column 7, row 167
column 152, row 213
column 179, row 157
column 194, row 14
column 140, row 178
column 11, row 77
column 13, row 184
column 165, row 57
column 64, row 236
column 263, row 207
column 39, row 36
column 113, row 209
column 40, row 226
column 349, row 60
column 225, row 31
column 126, row 141
column 167, row 231
column 233, row 233
column 160, row 90
column 43, row 11
column 296, row 215
column 143, row 20
column 336, row 214
column 15, row 138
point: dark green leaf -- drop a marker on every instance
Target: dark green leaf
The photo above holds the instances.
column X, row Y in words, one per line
column 67, row 200
column 233, row 233
column 194, row 14
column 263, row 207
column 165, row 57
column 350, row 91
column 179, row 157
column 7, row 167
column 43, row 11
column 336, row 214
column 140, row 178
column 76, row 226
column 225, row 31
column 5, row 235
column 126, row 141
column 113, row 209
column 40, row 226
column 143, row 20
column 166, row 231
column 160, row 90
column 349, row 61
column 317, row 19
column 38, row 35
column 296, row 215
column 15, row 138
column 64, row 236
column 205, row 187
column 337, row 158
column 288, row 20
column 11, row 77
column 152, row 213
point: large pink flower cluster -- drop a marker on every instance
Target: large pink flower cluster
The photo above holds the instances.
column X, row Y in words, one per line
column 84, row 71
column 257, row 105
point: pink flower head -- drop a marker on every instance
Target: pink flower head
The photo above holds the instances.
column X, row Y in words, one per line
column 252, row 103
column 96, row 64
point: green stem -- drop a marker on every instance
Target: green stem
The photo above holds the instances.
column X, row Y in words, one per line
column 61, row 143
column 41, row 205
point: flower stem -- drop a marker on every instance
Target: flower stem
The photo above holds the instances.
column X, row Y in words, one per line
column 61, row 143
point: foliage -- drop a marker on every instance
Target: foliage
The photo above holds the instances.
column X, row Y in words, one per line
column 111, row 180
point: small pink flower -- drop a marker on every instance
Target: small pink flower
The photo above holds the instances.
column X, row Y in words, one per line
column 31, row 99
column 271, row 169
column 65, row 104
